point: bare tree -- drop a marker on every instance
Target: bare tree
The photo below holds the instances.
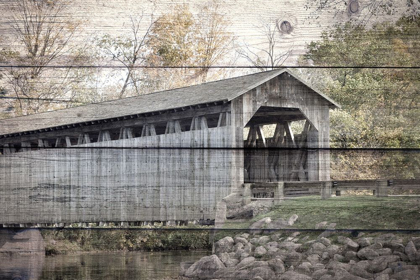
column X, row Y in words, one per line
column 130, row 51
column 270, row 55
column 42, row 39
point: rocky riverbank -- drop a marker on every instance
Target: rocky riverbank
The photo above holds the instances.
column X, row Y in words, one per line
column 291, row 255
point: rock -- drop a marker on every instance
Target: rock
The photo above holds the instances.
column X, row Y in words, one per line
column 263, row 239
column 326, row 277
column 384, row 251
column 334, row 265
column 224, row 245
column 402, row 256
column 364, row 242
column 351, row 255
column 292, row 219
column 342, row 274
column 257, row 278
column 241, row 240
column 244, row 255
column 244, row 235
column 319, row 273
column 184, row 267
column 325, row 256
column 304, row 268
column 288, row 245
column 379, row 264
column 277, row 265
column 313, row 259
column 406, row 275
column 254, row 240
column 255, row 264
column 231, row 262
column 367, row 254
column 395, row 246
column 257, row 227
column 245, row 262
column 325, row 241
column 205, row 267
column 226, row 273
column 342, row 239
column 410, row 251
column 416, row 241
column 385, row 238
column 292, row 258
column 332, row 250
column 224, row 257
column 237, row 247
column 260, row 251
column 272, row 244
column 338, row 258
column 351, row 245
column 321, row 225
column 359, row 269
column 248, row 248
column 264, row 272
column 292, row 275
column 317, row 248
column 279, row 224
column 382, row 277
column 396, row 266
column 238, row 253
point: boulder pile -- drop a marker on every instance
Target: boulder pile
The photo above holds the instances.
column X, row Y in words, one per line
column 288, row 255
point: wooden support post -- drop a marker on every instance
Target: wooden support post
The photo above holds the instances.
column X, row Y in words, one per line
column 246, row 194
column 68, row 141
column 261, row 135
column 40, row 143
column 177, row 126
column 8, row 149
column 326, row 190
column 26, row 146
column 148, row 130
column 104, row 136
column 83, row 139
column 279, row 193
column 381, row 188
column 126, row 133
column 203, row 123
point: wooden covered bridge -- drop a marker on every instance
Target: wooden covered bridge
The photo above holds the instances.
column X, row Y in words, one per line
column 166, row 156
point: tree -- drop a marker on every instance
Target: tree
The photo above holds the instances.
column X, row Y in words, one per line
column 361, row 12
column 181, row 39
column 42, row 40
column 381, row 106
column 130, row 51
column 270, row 55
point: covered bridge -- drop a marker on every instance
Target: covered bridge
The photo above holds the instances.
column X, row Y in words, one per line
column 166, row 156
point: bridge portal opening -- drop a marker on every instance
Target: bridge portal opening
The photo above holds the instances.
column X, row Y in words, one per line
column 277, row 146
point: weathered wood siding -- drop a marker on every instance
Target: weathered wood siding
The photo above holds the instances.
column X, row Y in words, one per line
column 179, row 176
column 285, row 91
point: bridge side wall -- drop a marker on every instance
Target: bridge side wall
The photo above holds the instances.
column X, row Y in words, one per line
column 179, row 176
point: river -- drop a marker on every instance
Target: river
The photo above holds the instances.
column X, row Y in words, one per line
column 99, row 265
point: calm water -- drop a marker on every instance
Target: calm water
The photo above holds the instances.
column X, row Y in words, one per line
column 95, row 266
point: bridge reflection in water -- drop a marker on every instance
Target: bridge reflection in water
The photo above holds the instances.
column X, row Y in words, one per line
column 22, row 254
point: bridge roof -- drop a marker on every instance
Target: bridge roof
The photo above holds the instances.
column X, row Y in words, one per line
column 223, row 90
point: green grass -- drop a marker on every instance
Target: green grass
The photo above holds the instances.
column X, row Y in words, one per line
column 348, row 212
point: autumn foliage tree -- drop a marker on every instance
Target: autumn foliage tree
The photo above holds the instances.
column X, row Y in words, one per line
column 380, row 105
column 180, row 39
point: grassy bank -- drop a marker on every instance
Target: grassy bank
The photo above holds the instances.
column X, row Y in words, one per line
column 348, row 212
column 65, row 241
